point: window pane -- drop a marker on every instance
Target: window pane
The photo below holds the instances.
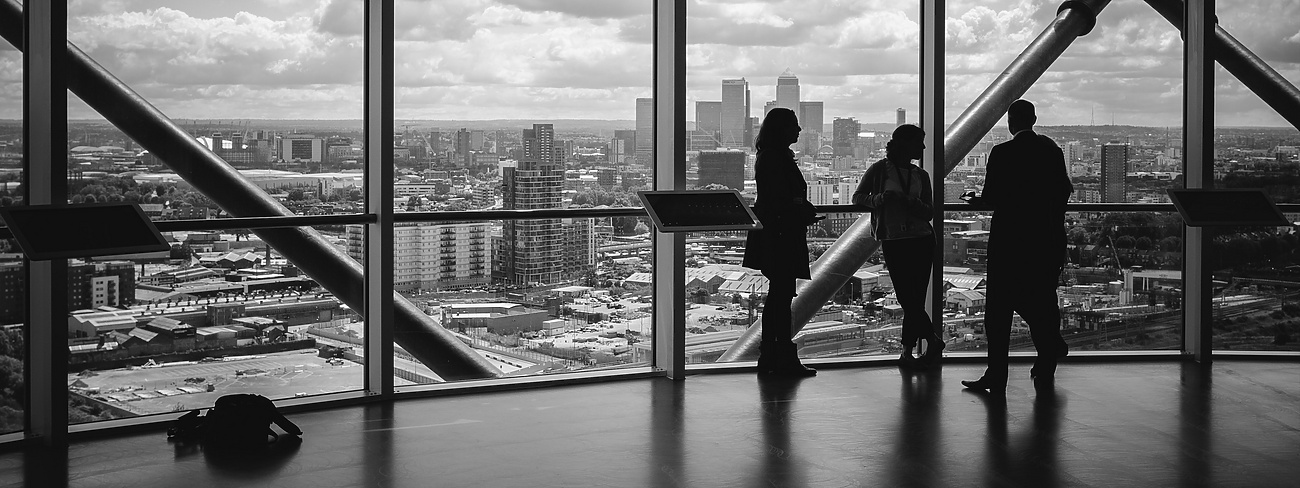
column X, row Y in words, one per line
column 1121, row 287
column 1112, row 101
column 220, row 313
column 851, row 76
column 272, row 88
column 13, row 347
column 518, row 105
column 574, row 312
column 13, row 292
column 1255, row 268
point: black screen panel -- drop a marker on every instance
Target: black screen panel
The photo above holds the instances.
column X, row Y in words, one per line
column 1226, row 207
column 71, row 231
column 698, row 210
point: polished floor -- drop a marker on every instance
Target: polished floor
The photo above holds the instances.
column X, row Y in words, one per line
column 1106, row 425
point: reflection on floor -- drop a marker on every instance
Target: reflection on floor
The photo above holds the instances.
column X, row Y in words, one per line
column 1125, row 424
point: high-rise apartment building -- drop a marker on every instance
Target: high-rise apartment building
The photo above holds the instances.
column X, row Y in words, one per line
column 726, row 168
column 579, row 249
column 900, row 117
column 645, row 126
column 787, row 91
column 622, row 148
column 429, row 256
column 539, row 144
column 529, row 252
column 735, row 113
column 1114, row 166
column 844, row 134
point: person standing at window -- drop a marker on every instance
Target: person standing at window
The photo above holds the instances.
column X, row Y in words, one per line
column 1026, row 187
column 898, row 194
column 780, row 248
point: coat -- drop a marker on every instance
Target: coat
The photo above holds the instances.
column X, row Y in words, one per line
column 896, row 220
column 1027, row 187
column 780, row 248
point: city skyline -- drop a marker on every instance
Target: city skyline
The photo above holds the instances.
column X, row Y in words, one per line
column 515, row 59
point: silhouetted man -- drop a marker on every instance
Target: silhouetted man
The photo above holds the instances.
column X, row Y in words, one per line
column 1026, row 187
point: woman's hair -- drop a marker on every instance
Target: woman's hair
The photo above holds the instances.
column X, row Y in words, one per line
column 905, row 132
column 777, row 122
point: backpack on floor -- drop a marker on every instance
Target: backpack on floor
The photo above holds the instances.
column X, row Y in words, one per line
column 235, row 420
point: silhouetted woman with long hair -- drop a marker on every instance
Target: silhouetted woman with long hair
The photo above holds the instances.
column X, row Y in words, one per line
column 780, row 249
column 898, row 194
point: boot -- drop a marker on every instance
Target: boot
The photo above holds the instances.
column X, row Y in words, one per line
column 788, row 364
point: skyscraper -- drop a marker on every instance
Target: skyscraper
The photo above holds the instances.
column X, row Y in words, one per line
column 1114, row 166
column 645, row 126
column 735, row 113
column 810, row 116
column 708, row 117
column 787, row 91
column 844, row 133
column 726, row 168
column 900, row 117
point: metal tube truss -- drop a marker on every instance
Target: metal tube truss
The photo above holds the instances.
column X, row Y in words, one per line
column 343, row 276
column 1258, row 76
column 855, row 245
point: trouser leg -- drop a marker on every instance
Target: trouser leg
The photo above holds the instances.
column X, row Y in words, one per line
column 1043, row 316
column 909, row 262
column 997, row 326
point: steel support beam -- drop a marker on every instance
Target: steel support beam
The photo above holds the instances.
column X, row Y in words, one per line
column 855, row 245
column 933, row 30
column 1258, row 76
column 1198, row 171
column 343, row 276
column 379, row 197
column 669, row 249
column 45, row 175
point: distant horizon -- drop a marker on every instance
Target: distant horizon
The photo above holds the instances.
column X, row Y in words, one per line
column 631, row 122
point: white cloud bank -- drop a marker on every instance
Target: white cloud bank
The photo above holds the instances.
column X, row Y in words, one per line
column 548, row 59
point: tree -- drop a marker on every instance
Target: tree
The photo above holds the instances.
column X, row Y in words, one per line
column 1125, row 242
column 1143, row 243
column 296, row 194
column 1079, row 236
column 641, row 228
column 1171, row 244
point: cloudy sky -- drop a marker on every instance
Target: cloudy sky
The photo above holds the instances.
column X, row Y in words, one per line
column 550, row 59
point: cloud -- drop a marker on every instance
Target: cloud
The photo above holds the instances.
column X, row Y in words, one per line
column 591, row 58
column 590, row 9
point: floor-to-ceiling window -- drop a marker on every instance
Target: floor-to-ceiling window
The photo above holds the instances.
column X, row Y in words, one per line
column 1256, row 270
column 13, row 292
column 271, row 92
column 507, row 106
column 851, row 75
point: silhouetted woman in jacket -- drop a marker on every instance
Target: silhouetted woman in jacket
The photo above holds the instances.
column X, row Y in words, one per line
column 780, row 249
column 898, row 194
